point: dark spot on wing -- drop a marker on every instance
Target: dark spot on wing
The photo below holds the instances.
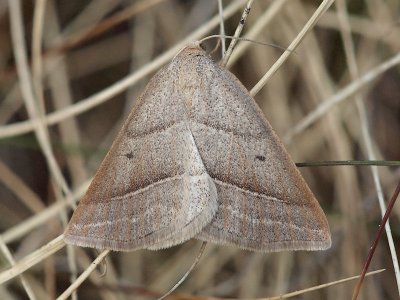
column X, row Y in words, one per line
column 129, row 155
column 260, row 157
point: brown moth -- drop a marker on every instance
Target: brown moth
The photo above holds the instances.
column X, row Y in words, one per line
column 197, row 159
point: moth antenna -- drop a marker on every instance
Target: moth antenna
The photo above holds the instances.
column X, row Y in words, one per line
column 194, row 264
column 104, row 262
column 244, row 40
column 216, row 46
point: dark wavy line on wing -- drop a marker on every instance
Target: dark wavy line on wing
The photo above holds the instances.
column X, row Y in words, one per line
column 157, row 130
column 179, row 176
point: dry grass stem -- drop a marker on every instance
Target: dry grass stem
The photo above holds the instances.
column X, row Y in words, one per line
column 72, row 288
column 341, row 95
column 70, row 72
column 237, row 33
column 321, row 286
column 32, row 259
column 120, row 86
column 293, row 45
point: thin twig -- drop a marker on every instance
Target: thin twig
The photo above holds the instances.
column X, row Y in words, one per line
column 376, row 241
column 62, row 96
column 330, row 163
column 238, row 31
column 32, row 103
column 257, row 28
column 37, row 64
column 287, row 295
column 354, row 73
column 42, row 217
column 19, row 49
column 221, row 26
column 120, row 86
column 293, row 45
column 20, row 189
column 83, row 276
column 32, row 259
column 340, row 96
column 9, row 257
column 318, row 287
column 95, row 30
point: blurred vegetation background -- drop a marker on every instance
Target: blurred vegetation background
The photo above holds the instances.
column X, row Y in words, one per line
column 88, row 46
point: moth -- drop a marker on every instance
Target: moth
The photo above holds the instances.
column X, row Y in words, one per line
column 196, row 158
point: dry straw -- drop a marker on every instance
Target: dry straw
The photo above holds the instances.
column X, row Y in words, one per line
column 325, row 130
